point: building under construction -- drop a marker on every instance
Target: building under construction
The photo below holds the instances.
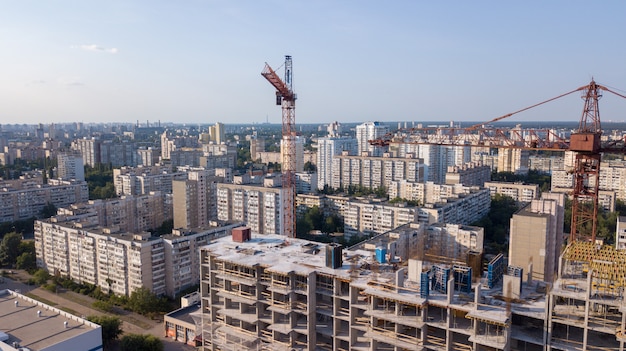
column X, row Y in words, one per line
column 272, row 293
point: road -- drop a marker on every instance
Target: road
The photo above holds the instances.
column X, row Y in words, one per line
column 80, row 305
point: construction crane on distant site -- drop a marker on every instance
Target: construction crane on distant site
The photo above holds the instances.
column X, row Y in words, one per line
column 287, row 98
column 586, row 141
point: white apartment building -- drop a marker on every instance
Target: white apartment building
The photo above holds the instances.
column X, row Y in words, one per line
column 469, row 174
column 370, row 131
column 464, row 208
column 143, row 180
column 261, row 208
column 374, row 172
column 427, row 192
column 372, row 217
column 620, row 233
column 70, row 166
column 120, row 262
column 306, row 182
column 132, row 214
column 327, row 150
column 518, row 191
column 25, row 198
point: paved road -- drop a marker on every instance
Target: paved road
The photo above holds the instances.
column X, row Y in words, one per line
column 75, row 303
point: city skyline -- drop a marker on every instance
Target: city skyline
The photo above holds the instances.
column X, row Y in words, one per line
column 200, row 62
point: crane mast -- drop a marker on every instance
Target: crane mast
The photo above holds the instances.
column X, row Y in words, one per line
column 287, row 99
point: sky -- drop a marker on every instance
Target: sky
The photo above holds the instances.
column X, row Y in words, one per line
column 199, row 61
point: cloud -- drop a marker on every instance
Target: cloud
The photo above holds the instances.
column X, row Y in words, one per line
column 96, row 48
column 36, row 82
column 71, row 82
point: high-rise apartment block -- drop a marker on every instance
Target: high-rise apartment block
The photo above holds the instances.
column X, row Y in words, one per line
column 537, row 236
column 132, row 213
column 217, row 133
column 370, row 131
column 143, row 180
column 25, row 198
column 260, row 207
column 520, row 192
column 195, row 199
column 327, row 150
column 469, row 174
column 374, row 172
column 121, row 262
column 513, row 160
column 70, row 166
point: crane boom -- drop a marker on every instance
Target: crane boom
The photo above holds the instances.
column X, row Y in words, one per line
column 586, row 142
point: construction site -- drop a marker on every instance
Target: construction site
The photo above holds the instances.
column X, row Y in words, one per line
column 264, row 292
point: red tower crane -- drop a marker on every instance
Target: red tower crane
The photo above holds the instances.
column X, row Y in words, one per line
column 287, row 98
column 586, row 142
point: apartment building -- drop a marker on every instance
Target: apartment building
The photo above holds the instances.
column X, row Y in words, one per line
column 374, row 217
column 70, row 166
column 25, row 198
column 520, row 192
column 306, row 182
column 468, row 174
column 513, row 160
column 374, row 172
column 370, row 131
column 327, row 150
column 260, row 207
column 427, row 192
column 536, row 236
column 464, row 208
column 120, row 262
column 265, row 294
column 143, row 180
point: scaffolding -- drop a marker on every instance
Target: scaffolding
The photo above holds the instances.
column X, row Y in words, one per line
column 606, row 265
column 495, row 270
column 462, row 278
column 440, row 276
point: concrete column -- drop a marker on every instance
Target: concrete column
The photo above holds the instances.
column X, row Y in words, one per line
column 587, row 305
column 311, row 318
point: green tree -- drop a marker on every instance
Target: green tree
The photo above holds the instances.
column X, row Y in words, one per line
column 140, row 342
column 26, row 261
column 144, row 301
column 111, row 327
column 9, row 248
column 48, row 211
column 310, row 167
column 41, row 277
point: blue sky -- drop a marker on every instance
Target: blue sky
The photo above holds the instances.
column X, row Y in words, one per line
column 199, row 61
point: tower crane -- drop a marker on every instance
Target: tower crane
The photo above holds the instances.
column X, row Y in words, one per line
column 586, row 141
column 287, row 99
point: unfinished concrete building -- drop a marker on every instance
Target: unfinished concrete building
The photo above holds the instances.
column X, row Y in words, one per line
column 270, row 293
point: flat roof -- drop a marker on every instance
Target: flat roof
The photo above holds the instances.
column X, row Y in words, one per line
column 21, row 322
column 184, row 314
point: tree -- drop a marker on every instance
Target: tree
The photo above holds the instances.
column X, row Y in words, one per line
column 9, row 248
column 144, row 301
column 26, row 261
column 111, row 327
column 41, row 277
column 48, row 211
column 141, row 342
column 310, row 167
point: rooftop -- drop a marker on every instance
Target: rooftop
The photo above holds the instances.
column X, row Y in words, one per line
column 35, row 325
